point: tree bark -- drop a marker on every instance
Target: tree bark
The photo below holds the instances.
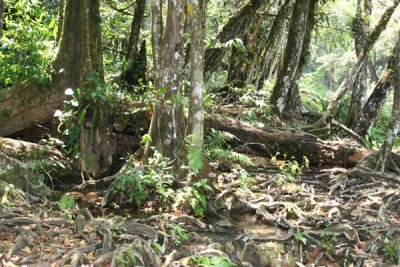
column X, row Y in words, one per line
column 236, row 27
column 285, row 98
column 328, row 115
column 196, row 111
column 385, row 161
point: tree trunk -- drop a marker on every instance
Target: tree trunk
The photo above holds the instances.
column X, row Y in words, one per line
column 130, row 75
column 385, row 161
column 170, row 124
column 375, row 102
column 328, row 115
column 196, row 112
column 241, row 61
column 79, row 54
column 236, row 27
column 360, row 30
column 273, row 41
column 156, row 36
column 285, row 98
column 293, row 144
column 294, row 99
column 2, row 7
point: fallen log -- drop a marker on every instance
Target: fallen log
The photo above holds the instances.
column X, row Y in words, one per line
column 295, row 144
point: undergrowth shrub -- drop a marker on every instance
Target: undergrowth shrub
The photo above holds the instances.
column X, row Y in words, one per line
column 28, row 41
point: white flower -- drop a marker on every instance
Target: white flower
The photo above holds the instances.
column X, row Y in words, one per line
column 69, row 91
column 58, row 113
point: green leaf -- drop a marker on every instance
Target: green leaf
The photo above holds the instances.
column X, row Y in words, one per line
column 195, row 158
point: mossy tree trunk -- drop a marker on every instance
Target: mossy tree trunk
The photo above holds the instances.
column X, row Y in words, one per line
column 241, row 61
column 285, row 96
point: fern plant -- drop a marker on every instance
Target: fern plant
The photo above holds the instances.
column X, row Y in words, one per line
column 217, row 147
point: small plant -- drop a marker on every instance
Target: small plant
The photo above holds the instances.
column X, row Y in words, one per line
column 301, row 237
column 291, row 171
column 138, row 185
column 193, row 197
column 133, row 185
column 328, row 240
column 178, row 234
column 66, row 202
column 203, row 261
column 126, row 256
column 391, row 249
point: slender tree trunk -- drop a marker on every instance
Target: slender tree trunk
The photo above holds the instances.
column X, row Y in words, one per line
column 236, row 27
column 156, row 36
column 376, row 100
column 284, row 98
column 349, row 80
column 360, row 32
column 130, row 75
column 385, row 161
column 273, row 41
column 168, row 127
column 2, row 7
column 196, row 112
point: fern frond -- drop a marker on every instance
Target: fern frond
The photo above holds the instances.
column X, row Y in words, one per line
column 217, row 139
column 231, row 156
column 195, row 159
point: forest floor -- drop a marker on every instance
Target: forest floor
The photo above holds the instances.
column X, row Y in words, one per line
column 329, row 217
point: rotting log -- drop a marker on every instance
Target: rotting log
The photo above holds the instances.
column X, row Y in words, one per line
column 292, row 143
